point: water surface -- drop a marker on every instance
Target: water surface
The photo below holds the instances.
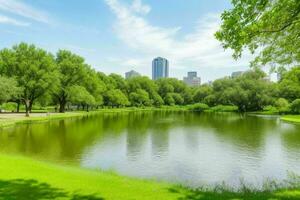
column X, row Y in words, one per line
column 182, row 147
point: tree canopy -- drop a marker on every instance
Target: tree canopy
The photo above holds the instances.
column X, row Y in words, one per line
column 270, row 28
column 8, row 89
column 33, row 68
column 30, row 75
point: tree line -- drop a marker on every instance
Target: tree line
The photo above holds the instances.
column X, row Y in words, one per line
column 31, row 75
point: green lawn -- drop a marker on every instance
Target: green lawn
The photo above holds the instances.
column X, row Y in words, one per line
column 26, row 179
column 291, row 118
column 11, row 119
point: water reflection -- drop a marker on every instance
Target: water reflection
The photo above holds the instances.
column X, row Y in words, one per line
column 189, row 148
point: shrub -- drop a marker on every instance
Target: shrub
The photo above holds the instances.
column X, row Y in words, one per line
column 199, row 107
column 295, row 106
column 224, row 108
column 270, row 109
column 282, row 105
column 9, row 106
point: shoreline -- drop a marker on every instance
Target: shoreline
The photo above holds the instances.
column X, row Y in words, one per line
column 11, row 119
column 291, row 118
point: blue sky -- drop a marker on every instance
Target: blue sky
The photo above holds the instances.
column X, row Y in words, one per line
column 116, row 36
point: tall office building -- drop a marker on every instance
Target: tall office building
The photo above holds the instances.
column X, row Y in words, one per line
column 160, row 68
column 192, row 79
column 132, row 74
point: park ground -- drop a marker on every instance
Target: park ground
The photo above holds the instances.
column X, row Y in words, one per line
column 26, row 179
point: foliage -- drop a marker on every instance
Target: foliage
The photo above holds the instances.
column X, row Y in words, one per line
column 202, row 92
column 272, row 25
column 33, row 68
column 78, row 95
column 199, row 107
column 295, row 106
column 8, row 89
column 115, row 98
column 289, row 86
column 72, row 70
column 224, row 108
column 140, row 98
column 66, row 80
column 282, row 105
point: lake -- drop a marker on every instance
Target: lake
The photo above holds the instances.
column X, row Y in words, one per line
column 183, row 147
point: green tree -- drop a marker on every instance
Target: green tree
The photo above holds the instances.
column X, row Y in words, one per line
column 289, row 86
column 78, row 95
column 144, row 83
column 8, row 89
column 116, row 98
column 95, row 86
column 282, row 105
column 140, row 98
column 295, row 106
column 119, row 83
column 201, row 93
column 169, row 100
column 172, row 85
column 72, row 71
column 34, row 70
column 270, row 26
column 178, row 98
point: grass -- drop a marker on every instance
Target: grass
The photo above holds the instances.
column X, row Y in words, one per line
column 22, row 178
column 21, row 119
column 27, row 179
column 7, row 120
column 291, row 118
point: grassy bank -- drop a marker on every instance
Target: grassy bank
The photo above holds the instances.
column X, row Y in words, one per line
column 291, row 118
column 7, row 120
column 24, row 179
column 27, row 179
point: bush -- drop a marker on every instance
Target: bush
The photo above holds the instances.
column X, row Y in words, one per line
column 270, row 109
column 224, row 108
column 9, row 106
column 295, row 106
column 282, row 105
column 199, row 107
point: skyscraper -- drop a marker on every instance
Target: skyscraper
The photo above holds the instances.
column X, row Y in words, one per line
column 160, row 68
column 131, row 74
column 192, row 79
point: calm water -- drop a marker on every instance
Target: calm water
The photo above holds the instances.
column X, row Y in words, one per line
column 188, row 148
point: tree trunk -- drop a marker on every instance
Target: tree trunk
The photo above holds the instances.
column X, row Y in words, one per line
column 27, row 104
column 18, row 106
column 62, row 105
column 30, row 106
column 87, row 108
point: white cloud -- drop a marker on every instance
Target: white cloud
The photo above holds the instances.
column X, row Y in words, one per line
column 197, row 49
column 11, row 21
column 138, row 7
column 21, row 9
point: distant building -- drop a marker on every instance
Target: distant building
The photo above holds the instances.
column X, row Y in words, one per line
column 132, row 74
column 192, row 79
column 236, row 74
column 160, row 68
